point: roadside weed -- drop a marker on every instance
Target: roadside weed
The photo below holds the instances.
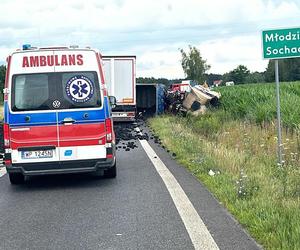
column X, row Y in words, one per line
column 262, row 196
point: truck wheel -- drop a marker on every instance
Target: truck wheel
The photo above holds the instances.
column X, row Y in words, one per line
column 111, row 172
column 16, row 178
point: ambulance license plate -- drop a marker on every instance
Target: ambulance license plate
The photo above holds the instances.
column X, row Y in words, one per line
column 37, row 154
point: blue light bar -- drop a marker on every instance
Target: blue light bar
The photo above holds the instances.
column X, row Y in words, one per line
column 26, row 46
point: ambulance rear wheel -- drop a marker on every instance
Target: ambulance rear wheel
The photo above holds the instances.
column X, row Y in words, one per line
column 111, row 172
column 16, row 178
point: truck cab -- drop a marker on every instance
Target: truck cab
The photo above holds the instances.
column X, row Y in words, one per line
column 57, row 115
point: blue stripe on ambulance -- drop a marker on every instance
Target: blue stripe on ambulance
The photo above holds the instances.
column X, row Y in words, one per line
column 106, row 105
column 49, row 118
column 29, row 119
column 44, row 119
column 5, row 111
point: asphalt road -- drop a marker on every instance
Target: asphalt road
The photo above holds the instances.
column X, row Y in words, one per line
column 133, row 211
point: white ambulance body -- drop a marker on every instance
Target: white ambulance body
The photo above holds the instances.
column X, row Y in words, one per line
column 57, row 116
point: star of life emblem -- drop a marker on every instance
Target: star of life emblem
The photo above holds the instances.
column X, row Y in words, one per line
column 80, row 89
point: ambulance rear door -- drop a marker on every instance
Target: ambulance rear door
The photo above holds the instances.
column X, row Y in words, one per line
column 29, row 113
column 81, row 113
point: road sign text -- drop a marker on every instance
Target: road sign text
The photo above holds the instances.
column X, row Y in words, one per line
column 281, row 43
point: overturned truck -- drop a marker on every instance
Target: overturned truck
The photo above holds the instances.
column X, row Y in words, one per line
column 194, row 101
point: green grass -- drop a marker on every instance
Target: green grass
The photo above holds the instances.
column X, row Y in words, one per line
column 1, row 111
column 257, row 102
column 238, row 142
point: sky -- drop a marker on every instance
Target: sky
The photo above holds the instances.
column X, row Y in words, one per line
column 227, row 33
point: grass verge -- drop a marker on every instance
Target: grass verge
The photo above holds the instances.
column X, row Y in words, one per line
column 1, row 112
column 264, row 197
column 257, row 102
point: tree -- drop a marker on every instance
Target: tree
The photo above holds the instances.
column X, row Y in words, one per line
column 226, row 78
column 193, row 65
column 2, row 76
column 146, row 80
column 255, row 77
column 270, row 71
column 164, row 81
column 212, row 77
column 237, row 75
column 289, row 70
column 240, row 74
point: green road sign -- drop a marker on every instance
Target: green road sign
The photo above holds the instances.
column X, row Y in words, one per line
column 282, row 43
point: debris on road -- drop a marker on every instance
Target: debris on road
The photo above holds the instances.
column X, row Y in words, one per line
column 128, row 134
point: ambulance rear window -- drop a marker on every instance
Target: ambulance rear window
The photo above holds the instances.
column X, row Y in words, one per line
column 31, row 91
column 57, row 90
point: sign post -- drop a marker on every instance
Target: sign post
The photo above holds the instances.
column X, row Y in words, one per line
column 280, row 160
column 277, row 44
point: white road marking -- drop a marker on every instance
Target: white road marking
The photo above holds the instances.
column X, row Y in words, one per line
column 2, row 170
column 199, row 234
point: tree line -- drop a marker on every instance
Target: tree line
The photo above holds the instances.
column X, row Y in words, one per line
column 195, row 68
column 289, row 71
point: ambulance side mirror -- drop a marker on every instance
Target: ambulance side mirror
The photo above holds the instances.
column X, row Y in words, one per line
column 112, row 101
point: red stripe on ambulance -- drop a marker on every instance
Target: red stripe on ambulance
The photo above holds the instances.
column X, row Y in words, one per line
column 33, row 136
column 82, row 134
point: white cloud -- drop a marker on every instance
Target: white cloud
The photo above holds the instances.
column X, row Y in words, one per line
column 227, row 32
column 163, row 63
column 223, row 55
column 226, row 54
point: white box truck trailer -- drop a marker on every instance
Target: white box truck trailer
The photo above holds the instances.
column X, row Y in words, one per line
column 119, row 72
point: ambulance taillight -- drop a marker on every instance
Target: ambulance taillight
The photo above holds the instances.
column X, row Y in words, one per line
column 6, row 135
column 108, row 126
column 7, row 156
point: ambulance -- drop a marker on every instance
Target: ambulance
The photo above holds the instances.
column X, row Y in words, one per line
column 57, row 114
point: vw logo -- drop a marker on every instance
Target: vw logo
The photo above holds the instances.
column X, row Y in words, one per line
column 56, row 104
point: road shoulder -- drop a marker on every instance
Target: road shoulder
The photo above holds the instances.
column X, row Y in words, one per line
column 224, row 228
